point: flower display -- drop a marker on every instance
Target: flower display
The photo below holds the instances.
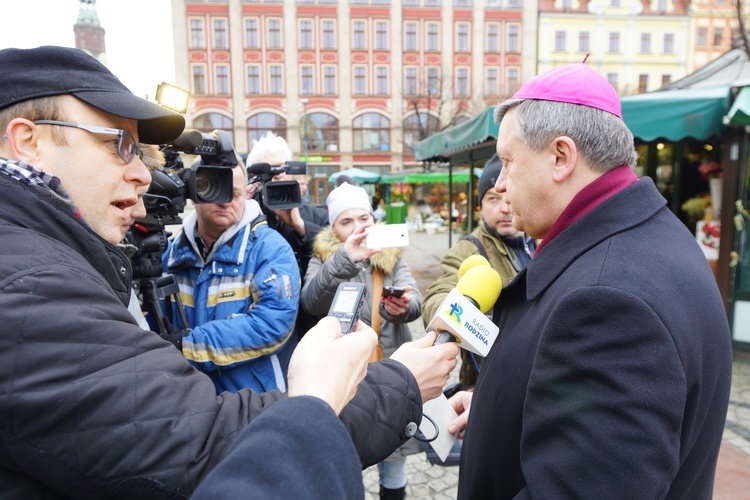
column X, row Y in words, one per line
column 710, row 170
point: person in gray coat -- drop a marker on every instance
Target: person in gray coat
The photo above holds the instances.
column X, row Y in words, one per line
column 339, row 256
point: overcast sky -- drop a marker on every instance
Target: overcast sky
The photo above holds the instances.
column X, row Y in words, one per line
column 138, row 35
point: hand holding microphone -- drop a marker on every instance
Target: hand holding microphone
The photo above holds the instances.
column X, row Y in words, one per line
column 460, row 317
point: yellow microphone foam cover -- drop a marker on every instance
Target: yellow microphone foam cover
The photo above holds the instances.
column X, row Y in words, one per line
column 483, row 284
column 472, row 261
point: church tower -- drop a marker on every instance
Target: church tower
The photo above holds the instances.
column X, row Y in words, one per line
column 89, row 34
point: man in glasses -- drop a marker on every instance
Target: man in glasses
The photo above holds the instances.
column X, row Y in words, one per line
column 91, row 405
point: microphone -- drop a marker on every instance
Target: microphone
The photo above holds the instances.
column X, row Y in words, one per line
column 259, row 169
column 188, row 140
column 460, row 317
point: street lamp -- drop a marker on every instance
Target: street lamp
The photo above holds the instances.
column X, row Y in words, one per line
column 305, row 101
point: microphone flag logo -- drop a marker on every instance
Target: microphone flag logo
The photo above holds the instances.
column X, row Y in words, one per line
column 455, row 312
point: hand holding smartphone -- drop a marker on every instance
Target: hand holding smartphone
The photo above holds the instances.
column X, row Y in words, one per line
column 387, row 236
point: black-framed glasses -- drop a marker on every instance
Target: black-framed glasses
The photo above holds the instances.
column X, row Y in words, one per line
column 127, row 148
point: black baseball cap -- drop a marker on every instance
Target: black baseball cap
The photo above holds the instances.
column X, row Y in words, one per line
column 489, row 176
column 48, row 71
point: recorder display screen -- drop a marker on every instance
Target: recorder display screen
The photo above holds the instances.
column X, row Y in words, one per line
column 346, row 301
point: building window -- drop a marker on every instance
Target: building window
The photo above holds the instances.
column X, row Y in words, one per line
column 614, row 3
column 220, row 34
column 432, row 37
column 583, row 41
column 613, row 80
column 197, row 40
column 371, row 133
column 410, row 81
column 642, row 83
column 433, row 82
column 669, row 43
column 462, row 3
column 305, row 34
column 329, row 80
column 462, row 82
column 261, row 124
column 381, row 80
column 320, row 133
column 514, row 4
column 513, row 38
column 512, row 81
column 645, row 43
column 492, row 3
column 274, row 33
column 199, row 79
column 222, row 79
column 462, row 37
column 491, row 38
column 559, row 41
column 359, row 36
column 360, row 83
column 411, row 3
column 253, row 80
column 665, row 79
column 432, row 3
column 718, row 37
column 490, row 82
column 329, row 35
column 701, row 39
column 252, row 40
column 417, row 127
column 276, row 84
column 306, row 80
column 381, row 35
column 614, row 41
column 661, row 5
column 214, row 121
column 410, row 36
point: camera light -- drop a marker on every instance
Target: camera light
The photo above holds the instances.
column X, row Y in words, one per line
column 172, row 97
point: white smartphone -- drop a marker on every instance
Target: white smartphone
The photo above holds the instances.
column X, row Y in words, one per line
column 387, row 235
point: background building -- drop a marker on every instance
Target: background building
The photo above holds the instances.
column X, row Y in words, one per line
column 348, row 83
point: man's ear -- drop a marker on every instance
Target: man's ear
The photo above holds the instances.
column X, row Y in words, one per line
column 566, row 157
column 23, row 141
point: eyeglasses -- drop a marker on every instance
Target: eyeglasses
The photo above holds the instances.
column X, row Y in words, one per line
column 127, row 148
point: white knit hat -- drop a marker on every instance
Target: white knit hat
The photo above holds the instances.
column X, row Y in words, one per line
column 345, row 197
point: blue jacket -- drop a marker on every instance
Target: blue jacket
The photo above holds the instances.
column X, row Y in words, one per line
column 241, row 304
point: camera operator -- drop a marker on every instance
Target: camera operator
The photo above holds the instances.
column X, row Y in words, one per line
column 300, row 225
column 92, row 405
column 240, row 286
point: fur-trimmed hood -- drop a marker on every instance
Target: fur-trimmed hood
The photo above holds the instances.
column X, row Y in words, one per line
column 326, row 244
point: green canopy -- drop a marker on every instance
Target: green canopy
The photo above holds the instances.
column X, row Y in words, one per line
column 740, row 112
column 475, row 131
column 357, row 174
column 676, row 114
column 427, row 177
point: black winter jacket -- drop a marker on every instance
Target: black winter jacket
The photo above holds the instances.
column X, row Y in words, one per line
column 93, row 406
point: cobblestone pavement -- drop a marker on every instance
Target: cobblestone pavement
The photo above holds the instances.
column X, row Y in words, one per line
column 426, row 481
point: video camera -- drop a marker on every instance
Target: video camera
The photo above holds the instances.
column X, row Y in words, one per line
column 171, row 187
column 277, row 195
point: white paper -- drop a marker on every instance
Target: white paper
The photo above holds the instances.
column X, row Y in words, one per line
column 441, row 411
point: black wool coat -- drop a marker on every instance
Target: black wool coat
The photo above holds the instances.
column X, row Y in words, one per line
column 610, row 377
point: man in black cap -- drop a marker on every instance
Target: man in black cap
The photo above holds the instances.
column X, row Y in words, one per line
column 91, row 405
column 507, row 250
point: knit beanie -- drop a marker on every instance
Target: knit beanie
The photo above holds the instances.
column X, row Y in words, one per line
column 345, row 197
column 489, row 176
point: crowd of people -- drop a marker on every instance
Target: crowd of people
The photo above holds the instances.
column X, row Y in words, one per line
column 610, row 374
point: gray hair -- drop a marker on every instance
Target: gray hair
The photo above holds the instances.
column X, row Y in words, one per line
column 602, row 139
column 271, row 149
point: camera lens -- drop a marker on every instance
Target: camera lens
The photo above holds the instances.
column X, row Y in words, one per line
column 207, row 185
column 279, row 195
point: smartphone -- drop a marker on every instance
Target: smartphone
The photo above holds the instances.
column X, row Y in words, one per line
column 393, row 291
column 347, row 305
column 387, row 235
